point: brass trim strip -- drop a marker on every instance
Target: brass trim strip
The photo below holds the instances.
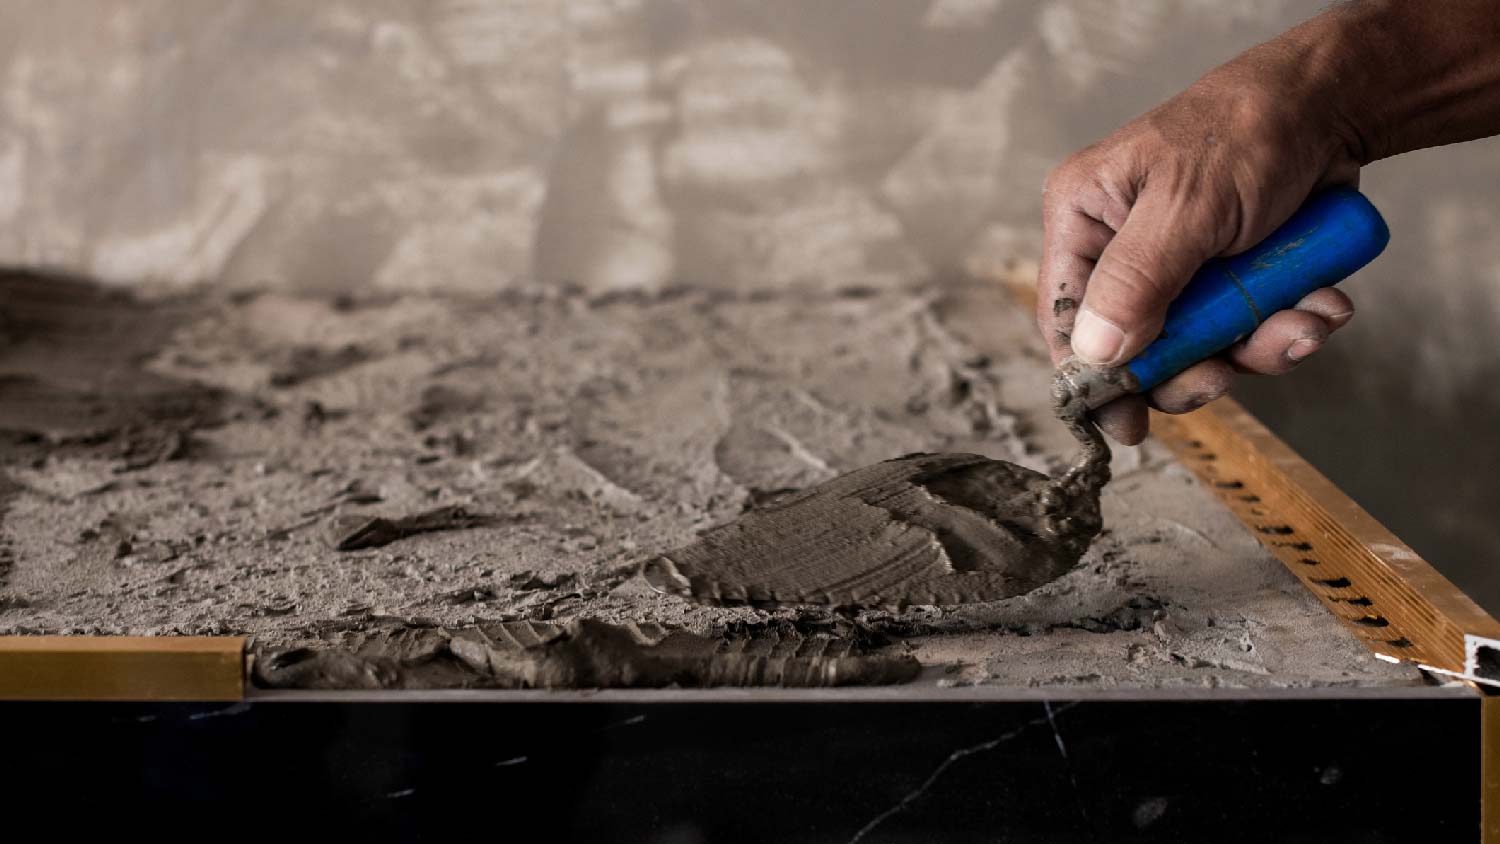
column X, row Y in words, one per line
column 122, row 668
column 1396, row 603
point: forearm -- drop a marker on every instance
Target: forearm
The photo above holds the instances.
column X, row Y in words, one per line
column 1397, row 75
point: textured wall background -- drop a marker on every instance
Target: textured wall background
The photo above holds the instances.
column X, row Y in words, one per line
column 474, row 145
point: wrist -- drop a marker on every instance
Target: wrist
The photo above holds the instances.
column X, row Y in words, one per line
column 1330, row 82
column 1391, row 77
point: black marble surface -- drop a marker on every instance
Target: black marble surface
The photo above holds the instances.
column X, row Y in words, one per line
column 1362, row 770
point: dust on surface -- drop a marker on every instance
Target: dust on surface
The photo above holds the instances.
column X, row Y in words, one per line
column 194, row 466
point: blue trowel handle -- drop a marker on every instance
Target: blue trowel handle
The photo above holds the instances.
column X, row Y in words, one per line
column 1332, row 235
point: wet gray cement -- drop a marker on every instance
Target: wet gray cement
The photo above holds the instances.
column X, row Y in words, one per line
column 924, row 529
column 921, row 529
column 586, row 653
column 417, row 491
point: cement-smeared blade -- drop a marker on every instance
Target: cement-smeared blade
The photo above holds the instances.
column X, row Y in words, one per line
column 924, row 529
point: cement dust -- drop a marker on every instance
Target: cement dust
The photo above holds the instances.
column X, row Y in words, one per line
column 192, row 466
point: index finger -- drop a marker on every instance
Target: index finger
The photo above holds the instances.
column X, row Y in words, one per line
column 1072, row 242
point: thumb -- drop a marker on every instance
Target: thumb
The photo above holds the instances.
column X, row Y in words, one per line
column 1140, row 272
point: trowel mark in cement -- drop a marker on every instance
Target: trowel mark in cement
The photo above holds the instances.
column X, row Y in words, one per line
column 921, row 529
column 932, row 529
column 353, row 532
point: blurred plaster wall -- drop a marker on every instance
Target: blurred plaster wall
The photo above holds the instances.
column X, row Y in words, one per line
column 616, row 144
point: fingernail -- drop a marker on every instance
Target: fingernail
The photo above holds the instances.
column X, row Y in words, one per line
column 1096, row 339
column 1302, row 348
column 1339, row 319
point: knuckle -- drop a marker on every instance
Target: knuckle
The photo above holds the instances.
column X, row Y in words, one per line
column 1218, row 379
column 1114, row 199
column 1075, row 173
column 1101, row 182
column 1060, row 184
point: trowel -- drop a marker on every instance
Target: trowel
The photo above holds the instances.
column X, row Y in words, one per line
column 945, row 529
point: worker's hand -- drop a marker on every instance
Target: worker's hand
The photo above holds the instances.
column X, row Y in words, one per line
column 1128, row 221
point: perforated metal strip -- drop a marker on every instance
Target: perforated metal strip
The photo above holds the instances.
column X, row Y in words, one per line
column 1393, row 600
